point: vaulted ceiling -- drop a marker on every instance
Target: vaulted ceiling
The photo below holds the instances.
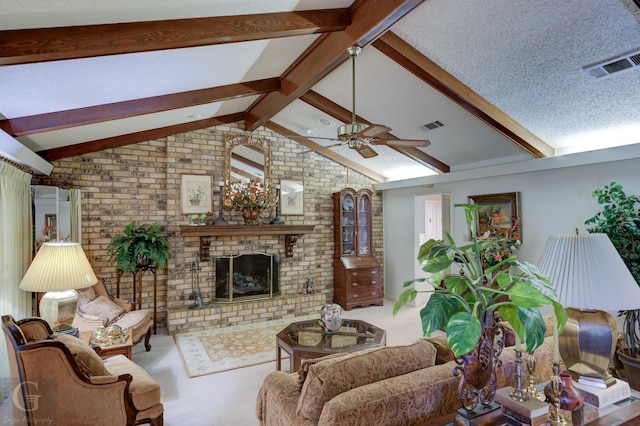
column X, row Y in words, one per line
column 507, row 80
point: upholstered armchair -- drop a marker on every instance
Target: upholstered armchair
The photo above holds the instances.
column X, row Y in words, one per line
column 61, row 380
column 97, row 307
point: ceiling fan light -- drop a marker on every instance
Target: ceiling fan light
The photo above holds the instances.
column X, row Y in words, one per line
column 349, row 131
column 355, row 143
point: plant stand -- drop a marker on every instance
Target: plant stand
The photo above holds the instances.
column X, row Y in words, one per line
column 137, row 282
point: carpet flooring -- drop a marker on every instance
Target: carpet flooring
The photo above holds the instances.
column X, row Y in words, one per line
column 212, row 351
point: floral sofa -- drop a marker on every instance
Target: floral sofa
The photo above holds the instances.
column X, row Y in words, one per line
column 393, row 385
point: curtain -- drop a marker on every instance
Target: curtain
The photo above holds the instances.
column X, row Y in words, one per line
column 74, row 210
column 15, row 251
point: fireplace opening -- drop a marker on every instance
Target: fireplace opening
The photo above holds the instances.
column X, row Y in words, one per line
column 246, row 277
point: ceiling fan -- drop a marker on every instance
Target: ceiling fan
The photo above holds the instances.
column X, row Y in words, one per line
column 360, row 136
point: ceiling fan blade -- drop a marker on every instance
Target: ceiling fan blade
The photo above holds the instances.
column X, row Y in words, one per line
column 373, row 130
column 322, row 147
column 366, row 151
column 309, row 137
column 402, row 142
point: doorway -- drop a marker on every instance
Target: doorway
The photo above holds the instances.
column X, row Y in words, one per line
column 432, row 220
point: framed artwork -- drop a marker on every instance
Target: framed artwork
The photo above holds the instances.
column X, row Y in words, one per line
column 195, row 194
column 51, row 226
column 291, row 197
column 499, row 213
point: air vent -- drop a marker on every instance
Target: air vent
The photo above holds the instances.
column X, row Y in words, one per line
column 615, row 65
column 434, row 125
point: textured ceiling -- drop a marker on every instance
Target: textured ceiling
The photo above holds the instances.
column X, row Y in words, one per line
column 527, row 57
column 509, row 81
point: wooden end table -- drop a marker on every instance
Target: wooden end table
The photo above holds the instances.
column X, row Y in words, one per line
column 105, row 351
column 307, row 340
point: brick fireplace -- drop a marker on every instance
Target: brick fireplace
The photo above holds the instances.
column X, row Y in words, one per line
column 229, row 254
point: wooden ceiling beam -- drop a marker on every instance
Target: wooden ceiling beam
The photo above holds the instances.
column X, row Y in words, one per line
column 59, row 43
column 329, row 107
column 22, row 126
column 422, row 67
column 331, row 155
column 132, row 138
column 369, row 19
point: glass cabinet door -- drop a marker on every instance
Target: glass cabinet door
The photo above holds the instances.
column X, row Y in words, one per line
column 364, row 224
column 348, row 224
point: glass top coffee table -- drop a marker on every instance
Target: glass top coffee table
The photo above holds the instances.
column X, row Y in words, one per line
column 307, row 340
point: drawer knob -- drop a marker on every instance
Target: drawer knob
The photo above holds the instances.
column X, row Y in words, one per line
column 374, row 282
column 354, row 284
column 355, row 296
column 355, row 274
column 374, row 272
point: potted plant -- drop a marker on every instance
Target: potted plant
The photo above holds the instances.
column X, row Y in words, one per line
column 139, row 247
column 465, row 304
column 620, row 220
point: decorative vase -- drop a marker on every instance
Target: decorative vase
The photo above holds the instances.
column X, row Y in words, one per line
column 570, row 398
column 250, row 217
column 631, row 370
column 478, row 382
column 331, row 317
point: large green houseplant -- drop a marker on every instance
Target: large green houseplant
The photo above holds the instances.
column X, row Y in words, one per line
column 620, row 220
column 139, row 247
column 463, row 303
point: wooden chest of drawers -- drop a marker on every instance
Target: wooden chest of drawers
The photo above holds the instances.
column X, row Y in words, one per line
column 357, row 282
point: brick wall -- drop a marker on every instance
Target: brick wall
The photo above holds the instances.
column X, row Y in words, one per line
column 141, row 183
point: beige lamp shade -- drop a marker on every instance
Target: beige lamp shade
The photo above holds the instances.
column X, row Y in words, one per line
column 59, row 266
column 588, row 273
column 590, row 278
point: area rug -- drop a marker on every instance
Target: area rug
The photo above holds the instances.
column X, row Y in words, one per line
column 222, row 349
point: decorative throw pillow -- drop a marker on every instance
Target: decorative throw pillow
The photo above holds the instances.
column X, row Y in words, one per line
column 104, row 307
column 85, row 296
column 304, row 366
column 87, row 358
column 443, row 351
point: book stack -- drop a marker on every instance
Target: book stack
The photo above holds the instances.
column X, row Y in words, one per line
column 531, row 412
column 601, row 397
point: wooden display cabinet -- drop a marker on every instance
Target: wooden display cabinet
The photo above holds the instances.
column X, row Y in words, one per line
column 356, row 272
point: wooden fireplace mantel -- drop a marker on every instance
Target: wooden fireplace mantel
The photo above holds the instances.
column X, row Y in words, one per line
column 291, row 233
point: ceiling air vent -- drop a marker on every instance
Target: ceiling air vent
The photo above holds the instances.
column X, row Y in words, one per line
column 434, row 125
column 614, row 65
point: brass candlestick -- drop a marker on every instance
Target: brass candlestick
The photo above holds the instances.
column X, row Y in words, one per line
column 517, row 393
column 531, row 369
column 556, row 386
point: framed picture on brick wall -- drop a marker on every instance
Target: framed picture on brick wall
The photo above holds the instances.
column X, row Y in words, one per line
column 291, row 197
column 195, row 194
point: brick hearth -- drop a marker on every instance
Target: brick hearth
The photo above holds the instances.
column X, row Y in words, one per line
column 181, row 320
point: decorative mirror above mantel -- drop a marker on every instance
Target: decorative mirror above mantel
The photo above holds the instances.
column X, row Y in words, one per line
column 246, row 159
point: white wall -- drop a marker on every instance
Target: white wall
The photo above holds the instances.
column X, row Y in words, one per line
column 554, row 200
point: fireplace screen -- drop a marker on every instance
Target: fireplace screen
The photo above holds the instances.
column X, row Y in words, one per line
column 246, row 276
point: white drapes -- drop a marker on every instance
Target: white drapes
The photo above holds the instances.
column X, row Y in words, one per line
column 74, row 210
column 15, row 252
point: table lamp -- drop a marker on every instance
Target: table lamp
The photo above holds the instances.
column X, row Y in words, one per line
column 58, row 269
column 589, row 277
